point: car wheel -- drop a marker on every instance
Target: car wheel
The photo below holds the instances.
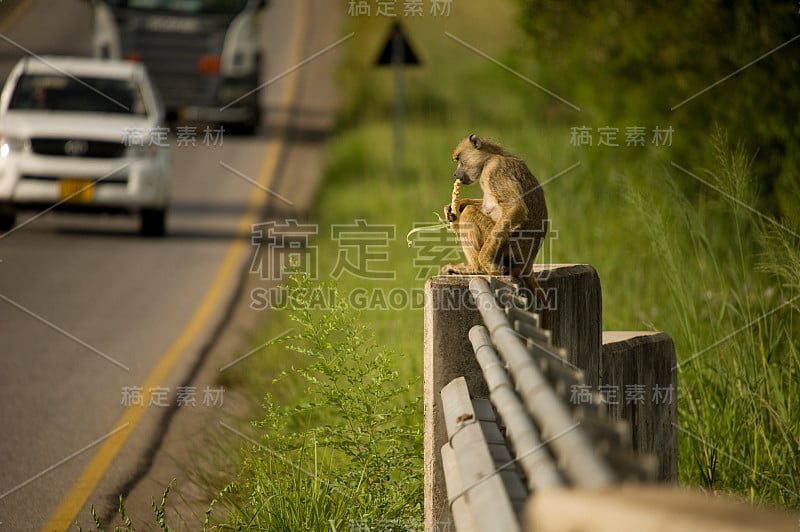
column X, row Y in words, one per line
column 8, row 217
column 153, row 222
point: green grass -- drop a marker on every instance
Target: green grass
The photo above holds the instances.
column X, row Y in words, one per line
column 736, row 334
column 347, row 447
column 673, row 254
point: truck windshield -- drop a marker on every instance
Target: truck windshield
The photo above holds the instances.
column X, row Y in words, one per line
column 183, row 6
column 45, row 92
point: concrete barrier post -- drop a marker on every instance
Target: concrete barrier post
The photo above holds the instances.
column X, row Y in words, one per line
column 574, row 292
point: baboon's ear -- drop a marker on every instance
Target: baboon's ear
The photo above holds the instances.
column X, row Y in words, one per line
column 476, row 141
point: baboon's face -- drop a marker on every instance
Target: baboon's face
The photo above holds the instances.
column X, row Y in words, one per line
column 469, row 162
column 461, row 173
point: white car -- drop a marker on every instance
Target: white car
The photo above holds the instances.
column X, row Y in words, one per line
column 84, row 135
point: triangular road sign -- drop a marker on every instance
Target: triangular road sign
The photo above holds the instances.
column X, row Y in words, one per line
column 405, row 54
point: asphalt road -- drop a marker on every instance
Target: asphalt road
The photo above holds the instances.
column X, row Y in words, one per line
column 90, row 311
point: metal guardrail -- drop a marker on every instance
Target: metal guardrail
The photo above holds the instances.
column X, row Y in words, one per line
column 555, row 444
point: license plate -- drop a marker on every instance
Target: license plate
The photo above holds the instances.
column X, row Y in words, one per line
column 77, row 190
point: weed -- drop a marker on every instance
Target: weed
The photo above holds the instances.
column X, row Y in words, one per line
column 159, row 513
column 348, row 448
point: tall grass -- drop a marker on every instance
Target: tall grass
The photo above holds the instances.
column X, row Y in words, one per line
column 733, row 295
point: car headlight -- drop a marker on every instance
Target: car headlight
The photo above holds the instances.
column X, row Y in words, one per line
column 11, row 144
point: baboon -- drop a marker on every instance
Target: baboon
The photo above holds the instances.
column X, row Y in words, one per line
column 502, row 232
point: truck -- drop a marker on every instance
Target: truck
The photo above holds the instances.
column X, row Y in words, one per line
column 203, row 55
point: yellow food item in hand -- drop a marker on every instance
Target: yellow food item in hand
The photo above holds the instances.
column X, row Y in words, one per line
column 455, row 197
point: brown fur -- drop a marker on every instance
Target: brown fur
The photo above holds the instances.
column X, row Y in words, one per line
column 502, row 232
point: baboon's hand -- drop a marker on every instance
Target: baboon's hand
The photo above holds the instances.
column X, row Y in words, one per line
column 449, row 214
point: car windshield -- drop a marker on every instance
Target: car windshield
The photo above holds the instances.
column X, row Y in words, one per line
column 183, row 6
column 50, row 92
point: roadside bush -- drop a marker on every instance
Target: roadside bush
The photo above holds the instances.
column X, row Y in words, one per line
column 348, row 449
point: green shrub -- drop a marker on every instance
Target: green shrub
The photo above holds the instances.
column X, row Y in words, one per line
column 348, row 449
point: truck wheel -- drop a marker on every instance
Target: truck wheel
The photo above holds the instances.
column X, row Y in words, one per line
column 245, row 129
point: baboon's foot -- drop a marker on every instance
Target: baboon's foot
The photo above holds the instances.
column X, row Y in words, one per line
column 458, row 269
column 494, row 269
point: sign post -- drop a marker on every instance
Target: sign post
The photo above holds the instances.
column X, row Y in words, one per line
column 397, row 52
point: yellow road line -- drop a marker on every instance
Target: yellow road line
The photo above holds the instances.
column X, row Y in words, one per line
column 69, row 507
column 15, row 14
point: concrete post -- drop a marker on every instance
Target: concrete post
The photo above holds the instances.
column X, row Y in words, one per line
column 574, row 292
column 640, row 367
